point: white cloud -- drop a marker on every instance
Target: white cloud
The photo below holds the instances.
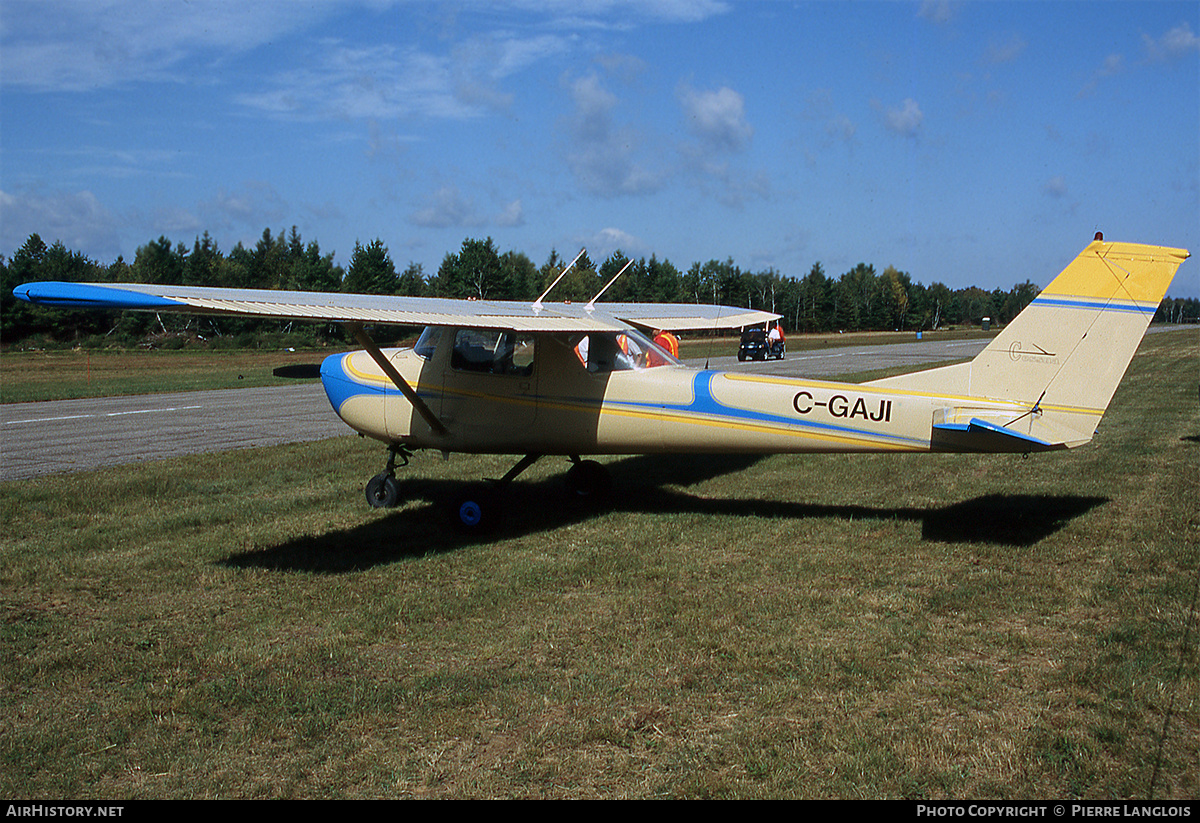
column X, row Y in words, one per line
column 625, row 67
column 1113, row 65
column 446, row 208
column 937, row 11
column 604, row 243
column 734, row 187
column 380, row 82
column 905, row 120
column 511, row 215
column 244, row 210
column 78, row 219
column 838, row 127
column 52, row 45
column 718, row 117
column 718, row 120
column 617, row 13
column 601, row 154
column 1007, row 50
column 1175, row 43
column 480, row 63
column 59, row 45
column 592, row 120
column 841, row 127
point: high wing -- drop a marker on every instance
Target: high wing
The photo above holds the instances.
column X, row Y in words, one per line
column 394, row 310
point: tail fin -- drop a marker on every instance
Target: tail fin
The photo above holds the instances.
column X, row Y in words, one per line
column 1062, row 358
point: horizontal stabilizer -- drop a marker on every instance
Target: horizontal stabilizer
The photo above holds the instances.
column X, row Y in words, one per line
column 979, row 435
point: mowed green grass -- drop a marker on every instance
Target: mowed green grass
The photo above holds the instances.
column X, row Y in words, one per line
column 242, row 625
column 30, row 376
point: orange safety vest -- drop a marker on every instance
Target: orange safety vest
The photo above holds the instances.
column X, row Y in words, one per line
column 669, row 342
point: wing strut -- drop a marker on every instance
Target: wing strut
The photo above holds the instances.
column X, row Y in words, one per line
column 368, row 344
column 537, row 304
column 592, row 303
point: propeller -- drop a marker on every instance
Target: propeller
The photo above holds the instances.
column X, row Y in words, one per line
column 302, row 371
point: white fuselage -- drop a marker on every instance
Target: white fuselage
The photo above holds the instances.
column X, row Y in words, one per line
column 555, row 403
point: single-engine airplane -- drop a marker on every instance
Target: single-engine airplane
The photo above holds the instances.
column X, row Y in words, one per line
column 586, row 379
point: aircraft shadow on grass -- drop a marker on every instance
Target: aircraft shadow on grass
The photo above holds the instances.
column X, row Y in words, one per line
column 422, row 526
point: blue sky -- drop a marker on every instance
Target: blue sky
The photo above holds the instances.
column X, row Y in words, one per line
column 969, row 143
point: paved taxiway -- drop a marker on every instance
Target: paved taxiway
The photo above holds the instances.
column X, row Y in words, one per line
column 853, row 359
column 79, row 435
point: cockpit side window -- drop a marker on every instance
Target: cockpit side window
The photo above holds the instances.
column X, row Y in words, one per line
column 492, row 351
column 620, row 351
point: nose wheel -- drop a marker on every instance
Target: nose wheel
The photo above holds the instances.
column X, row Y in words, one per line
column 383, row 492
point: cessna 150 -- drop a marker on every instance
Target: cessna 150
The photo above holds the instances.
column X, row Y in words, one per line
column 584, row 379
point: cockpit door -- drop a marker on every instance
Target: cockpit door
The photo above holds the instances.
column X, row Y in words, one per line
column 489, row 386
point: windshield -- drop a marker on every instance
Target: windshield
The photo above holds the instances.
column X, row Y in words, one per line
column 427, row 343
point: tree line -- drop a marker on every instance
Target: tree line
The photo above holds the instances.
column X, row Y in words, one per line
column 857, row 300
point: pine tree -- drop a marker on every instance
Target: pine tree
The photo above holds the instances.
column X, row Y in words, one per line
column 371, row 270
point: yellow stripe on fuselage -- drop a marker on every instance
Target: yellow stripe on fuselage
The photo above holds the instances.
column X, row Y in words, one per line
column 948, row 399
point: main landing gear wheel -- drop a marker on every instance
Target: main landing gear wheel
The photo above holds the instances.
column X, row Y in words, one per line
column 383, row 492
column 588, row 481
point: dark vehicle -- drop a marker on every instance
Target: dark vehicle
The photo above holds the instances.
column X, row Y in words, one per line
column 757, row 346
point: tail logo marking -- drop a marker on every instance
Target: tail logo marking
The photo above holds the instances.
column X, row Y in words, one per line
column 1017, row 353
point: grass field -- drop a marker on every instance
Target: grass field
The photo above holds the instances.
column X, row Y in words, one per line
column 241, row 625
column 28, row 376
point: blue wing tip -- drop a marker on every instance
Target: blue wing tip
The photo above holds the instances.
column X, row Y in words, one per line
column 87, row 296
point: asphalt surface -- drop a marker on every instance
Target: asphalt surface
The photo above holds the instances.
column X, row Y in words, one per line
column 62, row 436
column 852, row 359
column 81, row 435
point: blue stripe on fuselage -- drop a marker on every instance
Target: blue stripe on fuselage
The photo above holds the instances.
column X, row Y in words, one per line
column 704, row 403
column 340, row 386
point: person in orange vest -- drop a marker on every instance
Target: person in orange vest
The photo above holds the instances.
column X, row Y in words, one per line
column 668, row 341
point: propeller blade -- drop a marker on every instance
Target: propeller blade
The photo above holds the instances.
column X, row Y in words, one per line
column 303, row 371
